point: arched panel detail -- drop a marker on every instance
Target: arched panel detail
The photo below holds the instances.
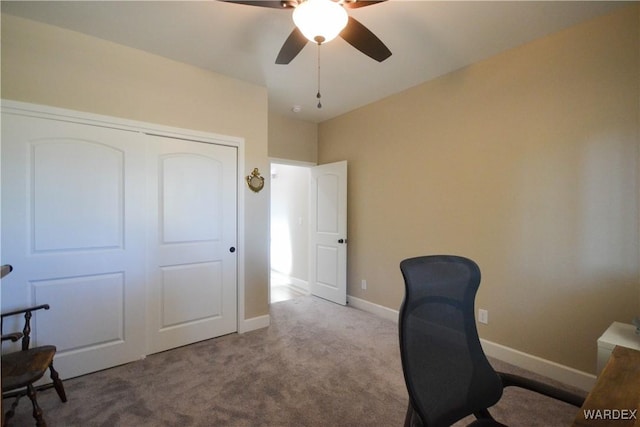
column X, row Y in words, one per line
column 76, row 195
column 191, row 198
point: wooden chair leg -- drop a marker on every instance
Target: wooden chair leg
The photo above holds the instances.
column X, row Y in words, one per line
column 57, row 383
column 37, row 411
column 12, row 410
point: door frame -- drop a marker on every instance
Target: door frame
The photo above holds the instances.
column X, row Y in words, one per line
column 287, row 162
column 311, row 167
column 61, row 114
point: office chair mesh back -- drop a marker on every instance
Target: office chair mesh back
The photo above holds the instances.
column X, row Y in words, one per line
column 447, row 374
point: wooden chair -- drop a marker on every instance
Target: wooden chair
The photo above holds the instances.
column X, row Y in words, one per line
column 21, row 369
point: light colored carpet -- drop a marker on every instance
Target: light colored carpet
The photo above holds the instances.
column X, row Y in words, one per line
column 318, row 364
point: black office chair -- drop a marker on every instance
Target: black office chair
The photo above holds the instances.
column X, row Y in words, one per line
column 447, row 374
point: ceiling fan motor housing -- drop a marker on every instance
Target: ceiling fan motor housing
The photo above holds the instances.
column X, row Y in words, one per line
column 320, row 20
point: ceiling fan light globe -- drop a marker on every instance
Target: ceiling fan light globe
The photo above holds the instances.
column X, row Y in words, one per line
column 320, row 21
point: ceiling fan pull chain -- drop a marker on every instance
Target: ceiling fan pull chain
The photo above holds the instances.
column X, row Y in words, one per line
column 318, row 94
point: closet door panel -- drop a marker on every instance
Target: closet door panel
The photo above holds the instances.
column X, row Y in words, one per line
column 73, row 228
column 192, row 289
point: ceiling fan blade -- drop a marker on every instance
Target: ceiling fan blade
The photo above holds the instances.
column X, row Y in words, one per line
column 275, row 4
column 360, row 37
column 291, row 47
column 354, row 4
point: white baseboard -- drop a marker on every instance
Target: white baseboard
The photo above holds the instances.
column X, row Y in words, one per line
column 564, row 374
column 370, row 307
column 298, row 284
column 248, row 325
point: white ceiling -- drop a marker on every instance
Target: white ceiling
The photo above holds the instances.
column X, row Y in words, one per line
column 427, row 39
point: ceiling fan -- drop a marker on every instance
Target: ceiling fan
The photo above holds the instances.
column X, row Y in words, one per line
column 320, row 21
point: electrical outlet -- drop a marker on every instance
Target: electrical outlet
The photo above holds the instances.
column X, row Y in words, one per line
column 364, row 284
column 483, row 316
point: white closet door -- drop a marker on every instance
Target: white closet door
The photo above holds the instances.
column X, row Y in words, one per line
column 73, row 227
column 192, row 242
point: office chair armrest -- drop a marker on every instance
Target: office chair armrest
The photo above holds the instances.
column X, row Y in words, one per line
column 25, row 310
column 542, row 388
column 12, row 337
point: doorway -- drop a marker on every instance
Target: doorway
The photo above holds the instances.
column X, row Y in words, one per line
column 289, row 231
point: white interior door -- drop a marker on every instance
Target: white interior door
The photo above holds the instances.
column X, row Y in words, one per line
column 192, row 242
column 328, row 232
column 73, row 227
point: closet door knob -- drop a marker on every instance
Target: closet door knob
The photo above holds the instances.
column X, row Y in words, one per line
column 232, row 249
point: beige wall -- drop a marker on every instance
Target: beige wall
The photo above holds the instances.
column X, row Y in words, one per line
column 46, row 65
column 527, row 163
column 292, row 139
